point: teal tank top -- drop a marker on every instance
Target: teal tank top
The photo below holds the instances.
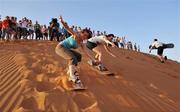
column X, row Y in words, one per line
column 69, row 43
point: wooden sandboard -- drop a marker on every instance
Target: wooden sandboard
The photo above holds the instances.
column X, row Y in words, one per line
column 108, row 73
column 78, row 89
column 170, row 45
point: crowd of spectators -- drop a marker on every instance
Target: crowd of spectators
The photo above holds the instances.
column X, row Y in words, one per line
column 11, row 30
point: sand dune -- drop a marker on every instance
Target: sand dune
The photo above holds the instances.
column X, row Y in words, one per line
column 33, row 79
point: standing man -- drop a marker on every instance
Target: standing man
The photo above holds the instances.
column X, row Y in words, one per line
column 160, row 48
column 0, row 28
column 135, row 47
column 5, row 28
column 54, row 29
column 37, row 29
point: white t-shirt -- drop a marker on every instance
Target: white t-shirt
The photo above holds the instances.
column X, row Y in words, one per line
column 24, row 24
column 31, row 27
column 120, row 40
column 157, row 44
column 97, row 39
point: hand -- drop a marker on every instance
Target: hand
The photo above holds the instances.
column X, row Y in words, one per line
column 150, row 51
column 60, row 18
column 113, row 45
column 113, row 55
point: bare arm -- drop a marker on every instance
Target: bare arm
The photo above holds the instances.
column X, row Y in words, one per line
column 65, row 25
column 151, row 47
column 108, row 51
column 109, row 42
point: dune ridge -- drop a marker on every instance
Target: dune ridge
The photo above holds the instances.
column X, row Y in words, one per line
column 33, row 79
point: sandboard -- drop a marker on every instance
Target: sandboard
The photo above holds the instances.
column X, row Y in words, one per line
column 74, row 88
column 170, row 45
column 107, row 72
column 78, row 89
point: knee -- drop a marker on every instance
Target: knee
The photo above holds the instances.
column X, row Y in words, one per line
column 79, row 58
column 100, row 54
column 76, row 59
column 57, row 50
column 73, row 61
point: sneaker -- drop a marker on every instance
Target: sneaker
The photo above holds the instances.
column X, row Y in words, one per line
column 93, row 63
column 101, row 67
column 162, row 61
column 78, row 84
column 74, row 77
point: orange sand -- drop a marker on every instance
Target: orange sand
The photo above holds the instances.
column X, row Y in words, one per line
column 33, row 79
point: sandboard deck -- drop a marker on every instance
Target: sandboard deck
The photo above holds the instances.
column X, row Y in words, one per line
column 166, row 46
column 170, row 45
column 78, row 89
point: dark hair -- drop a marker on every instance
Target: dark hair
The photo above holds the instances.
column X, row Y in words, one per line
column 110, row 35
column 155, row 39
column 54, row 20
column 88, row 31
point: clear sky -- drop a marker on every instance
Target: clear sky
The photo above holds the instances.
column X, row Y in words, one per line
column 140, row 20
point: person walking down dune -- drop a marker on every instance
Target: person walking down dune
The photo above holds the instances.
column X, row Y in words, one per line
column 65, row 50
column 160, row 48
column 92, row 44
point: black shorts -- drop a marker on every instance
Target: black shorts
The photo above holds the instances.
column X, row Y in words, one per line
column 91, row 45
column 160, row 50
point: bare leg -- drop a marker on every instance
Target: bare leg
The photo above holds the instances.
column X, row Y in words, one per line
column 161, row 58
column 98, row 55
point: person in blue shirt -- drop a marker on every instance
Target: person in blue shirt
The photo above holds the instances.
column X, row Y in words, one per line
column 65, row 49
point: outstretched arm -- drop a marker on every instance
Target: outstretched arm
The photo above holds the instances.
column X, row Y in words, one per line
column 108, row 51
column 109, row 42
column 65, row 25
column 151, row 47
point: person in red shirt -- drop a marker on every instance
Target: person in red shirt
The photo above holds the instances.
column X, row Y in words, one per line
column 0, row 28
column 5, row 28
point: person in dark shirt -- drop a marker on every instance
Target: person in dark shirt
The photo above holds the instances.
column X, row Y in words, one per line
column 37, row 29
column 54, row 29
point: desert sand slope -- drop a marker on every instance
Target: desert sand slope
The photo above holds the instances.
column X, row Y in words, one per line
column 33, row 79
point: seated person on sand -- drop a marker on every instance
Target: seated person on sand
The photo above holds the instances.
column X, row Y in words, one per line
column 160, row 48
column 93, row 44
column 65, row 50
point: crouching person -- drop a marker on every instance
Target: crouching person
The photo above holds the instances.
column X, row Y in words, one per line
column 65, row 49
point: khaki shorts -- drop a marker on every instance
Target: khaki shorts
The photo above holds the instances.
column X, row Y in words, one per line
column 68, row 54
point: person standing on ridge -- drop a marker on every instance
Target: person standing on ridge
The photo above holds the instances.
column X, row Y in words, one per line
column 160, row 48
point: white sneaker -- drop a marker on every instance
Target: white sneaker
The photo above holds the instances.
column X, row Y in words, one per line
column 74, row 77
column 101, row 67
column 78, row 84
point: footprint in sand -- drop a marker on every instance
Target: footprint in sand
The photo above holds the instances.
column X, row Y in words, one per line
column 90, row 104
column 42, row 77
column 44, row 86
column 50, row 68
column 28, row 105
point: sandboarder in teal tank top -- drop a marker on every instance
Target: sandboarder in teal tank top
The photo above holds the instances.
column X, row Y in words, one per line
column 65, row 49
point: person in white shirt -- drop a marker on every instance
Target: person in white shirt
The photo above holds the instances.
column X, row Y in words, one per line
column 92, row 44
column 160, row 48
